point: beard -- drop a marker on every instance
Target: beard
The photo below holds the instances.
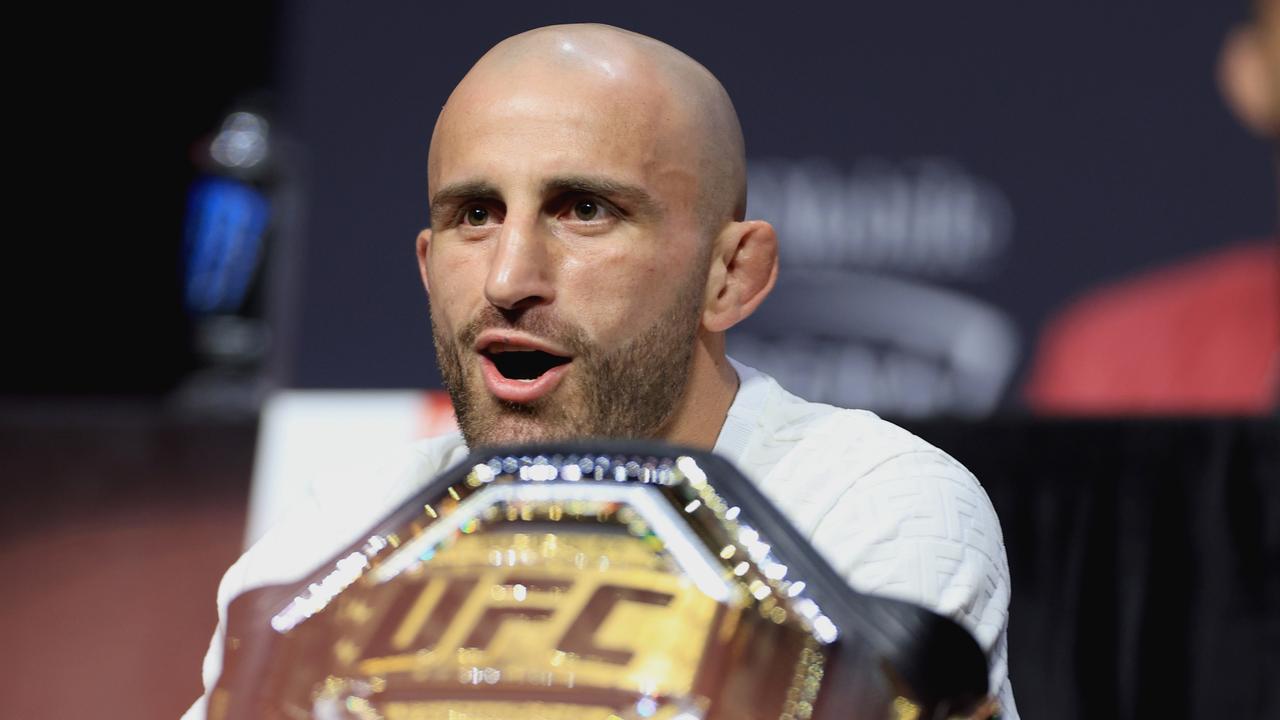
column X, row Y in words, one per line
column 628, row 391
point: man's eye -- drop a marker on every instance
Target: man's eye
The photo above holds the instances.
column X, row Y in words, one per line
column 586, row 210
column 477, row 216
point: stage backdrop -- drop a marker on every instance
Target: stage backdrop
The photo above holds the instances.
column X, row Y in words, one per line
column 942, row 177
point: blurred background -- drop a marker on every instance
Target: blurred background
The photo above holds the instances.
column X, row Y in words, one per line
column 1038, row 236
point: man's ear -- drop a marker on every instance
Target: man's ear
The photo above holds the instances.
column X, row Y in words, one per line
column 1246, row 82
column 423, row 248
column 744, row 268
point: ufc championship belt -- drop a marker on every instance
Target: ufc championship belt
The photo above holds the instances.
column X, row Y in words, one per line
column 594, row 581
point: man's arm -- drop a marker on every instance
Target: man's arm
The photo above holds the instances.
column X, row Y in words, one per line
column 918, row 527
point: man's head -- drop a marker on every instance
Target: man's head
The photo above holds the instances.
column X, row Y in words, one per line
column 587, row 246
column 1249, row 70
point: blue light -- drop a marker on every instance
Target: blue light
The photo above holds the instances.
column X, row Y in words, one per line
column 226, row 220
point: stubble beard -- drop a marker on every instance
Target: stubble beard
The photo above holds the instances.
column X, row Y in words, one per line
column 629, row 391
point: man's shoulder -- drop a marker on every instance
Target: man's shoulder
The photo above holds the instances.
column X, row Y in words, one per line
column 811, row 458
column 847, row 437
column 876, row 464
column 863, row 430
column 850, row 446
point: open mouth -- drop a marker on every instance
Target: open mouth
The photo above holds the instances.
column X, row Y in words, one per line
column 520, row 369
column 525, row 363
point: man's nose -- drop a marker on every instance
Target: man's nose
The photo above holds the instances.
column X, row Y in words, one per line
column 520, row 273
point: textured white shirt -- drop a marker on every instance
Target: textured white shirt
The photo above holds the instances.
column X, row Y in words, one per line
column 892, row 514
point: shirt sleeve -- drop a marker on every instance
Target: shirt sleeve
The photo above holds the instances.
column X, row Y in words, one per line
column 918, row 527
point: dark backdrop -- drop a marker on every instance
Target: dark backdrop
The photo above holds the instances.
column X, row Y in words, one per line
column 983, row 162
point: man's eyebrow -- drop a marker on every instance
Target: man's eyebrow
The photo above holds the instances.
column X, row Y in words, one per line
column 633, row 198
column 450, row 196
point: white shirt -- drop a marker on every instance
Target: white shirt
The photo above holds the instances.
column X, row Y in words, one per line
column 900, row 519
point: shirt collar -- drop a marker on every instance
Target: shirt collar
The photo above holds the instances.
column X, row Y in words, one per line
column 744, row 413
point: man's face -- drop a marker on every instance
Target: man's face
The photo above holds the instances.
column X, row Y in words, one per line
column 566, row 264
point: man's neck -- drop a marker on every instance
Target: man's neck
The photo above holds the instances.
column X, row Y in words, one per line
column 713, row 384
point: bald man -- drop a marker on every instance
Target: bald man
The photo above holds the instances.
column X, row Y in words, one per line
column 587, row 252
column 587, row 195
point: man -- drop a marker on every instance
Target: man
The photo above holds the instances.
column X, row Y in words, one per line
column 587, row 252
column 1199, row 337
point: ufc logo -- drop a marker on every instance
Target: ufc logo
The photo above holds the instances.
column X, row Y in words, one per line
column 470, row 611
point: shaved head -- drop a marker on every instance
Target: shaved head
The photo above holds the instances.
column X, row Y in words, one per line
column 637, row 81
column 587, row 247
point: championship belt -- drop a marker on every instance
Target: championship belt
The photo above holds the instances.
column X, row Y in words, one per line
column 600, row 581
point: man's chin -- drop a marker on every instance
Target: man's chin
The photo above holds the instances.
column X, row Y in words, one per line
column 501, row 423
column 514, row 433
